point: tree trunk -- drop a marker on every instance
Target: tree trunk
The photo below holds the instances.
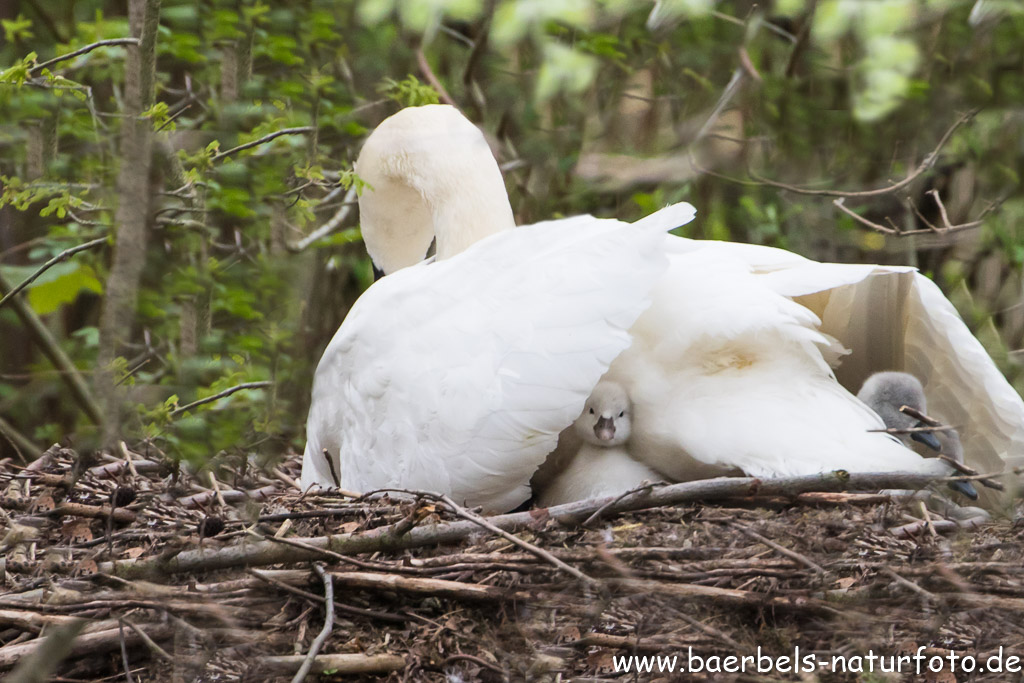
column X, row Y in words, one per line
column 132, row 210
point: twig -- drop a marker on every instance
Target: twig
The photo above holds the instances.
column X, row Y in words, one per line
column 428, row 73
column 782, row 550
column 219, row 395
column 265, row 139
column 383, row 538
column 330, row 226
column 330, row 465
column 920, row 417
column 600, row 511
column 18, row 441
column 40, row 662
column 372, row 614
column 56, row 355
column 925, row 164
column 907, row 583
column 83, row 50
column 325, row 632
column 62, row 256
column 150, row 643
column 471, row 658
column 349, row 664
column 124, row 653
column 525, row 545
column 972, row 473
column 913, row 430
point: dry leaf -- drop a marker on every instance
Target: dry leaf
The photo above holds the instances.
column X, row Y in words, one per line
column 76, row 531
column 43, row 503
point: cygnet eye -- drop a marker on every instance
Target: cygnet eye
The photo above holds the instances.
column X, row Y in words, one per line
column 622, row 413
column 591, row 411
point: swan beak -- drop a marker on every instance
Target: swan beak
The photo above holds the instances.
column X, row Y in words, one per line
column 927, row 438
column 964, row 487
column 605, row 428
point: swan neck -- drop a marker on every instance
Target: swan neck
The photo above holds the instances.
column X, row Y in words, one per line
column 473, row 214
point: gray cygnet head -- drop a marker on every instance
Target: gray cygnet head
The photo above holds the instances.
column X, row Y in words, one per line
column 887, row 392
column 606, row 417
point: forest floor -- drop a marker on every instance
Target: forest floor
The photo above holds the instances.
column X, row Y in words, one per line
column 196, row 578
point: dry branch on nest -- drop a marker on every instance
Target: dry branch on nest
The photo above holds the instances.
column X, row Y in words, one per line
column 400, row 569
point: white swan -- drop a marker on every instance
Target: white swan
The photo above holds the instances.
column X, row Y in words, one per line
column 456, row 376
column 602, row 466
column 730, row 367
column 887, row 393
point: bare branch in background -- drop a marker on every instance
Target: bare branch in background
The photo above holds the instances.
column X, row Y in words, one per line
column 83, row 50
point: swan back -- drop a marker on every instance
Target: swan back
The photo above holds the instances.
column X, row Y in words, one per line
column 457, row 376
column 430, row 174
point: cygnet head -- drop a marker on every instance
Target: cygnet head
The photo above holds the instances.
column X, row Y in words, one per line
column 887, row 392
column 606, row 417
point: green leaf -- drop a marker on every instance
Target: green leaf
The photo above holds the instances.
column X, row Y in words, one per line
column 61, row 285
column 17, row 29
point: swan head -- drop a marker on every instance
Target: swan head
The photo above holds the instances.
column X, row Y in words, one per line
column 607, row 416
column 430, row 174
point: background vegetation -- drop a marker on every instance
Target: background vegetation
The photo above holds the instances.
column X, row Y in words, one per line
column 204, row 168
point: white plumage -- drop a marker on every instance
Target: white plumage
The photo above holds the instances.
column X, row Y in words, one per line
column 456, row 376
column 730, row 367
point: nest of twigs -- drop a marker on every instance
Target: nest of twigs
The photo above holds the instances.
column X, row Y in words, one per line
column 125, row 568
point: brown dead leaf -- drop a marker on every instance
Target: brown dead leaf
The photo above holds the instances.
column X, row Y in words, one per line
column 132, row 553
column 845, row 582
column 76, row 531
column 43, row 503
column 348, row 527
column 567, row 634
column 601, row 661
column 88, row 566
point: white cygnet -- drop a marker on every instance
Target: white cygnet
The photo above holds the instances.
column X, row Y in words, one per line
column 602, row 466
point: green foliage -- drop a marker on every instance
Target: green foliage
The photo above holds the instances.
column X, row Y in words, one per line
column 17, row 29
column 409, row 92
column 847, row 94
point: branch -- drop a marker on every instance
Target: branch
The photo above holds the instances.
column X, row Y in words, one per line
column 266, row 138
column 339, row 664
column 428, row 73
column 40, row 662
column 931, row 230
column 330, row 226
column 69, row 373
column 927, row 163
column 83, row 50
column 529, row 547
column 383, row 538
column 62, row 256
column 325, row 632
column 219, row 395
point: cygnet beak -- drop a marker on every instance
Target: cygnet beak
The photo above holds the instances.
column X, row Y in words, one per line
column 605, row 428
column 927, row 438
column 964, row 487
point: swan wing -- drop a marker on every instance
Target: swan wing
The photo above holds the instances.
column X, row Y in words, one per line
column 457, row 376
column 727, row 373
